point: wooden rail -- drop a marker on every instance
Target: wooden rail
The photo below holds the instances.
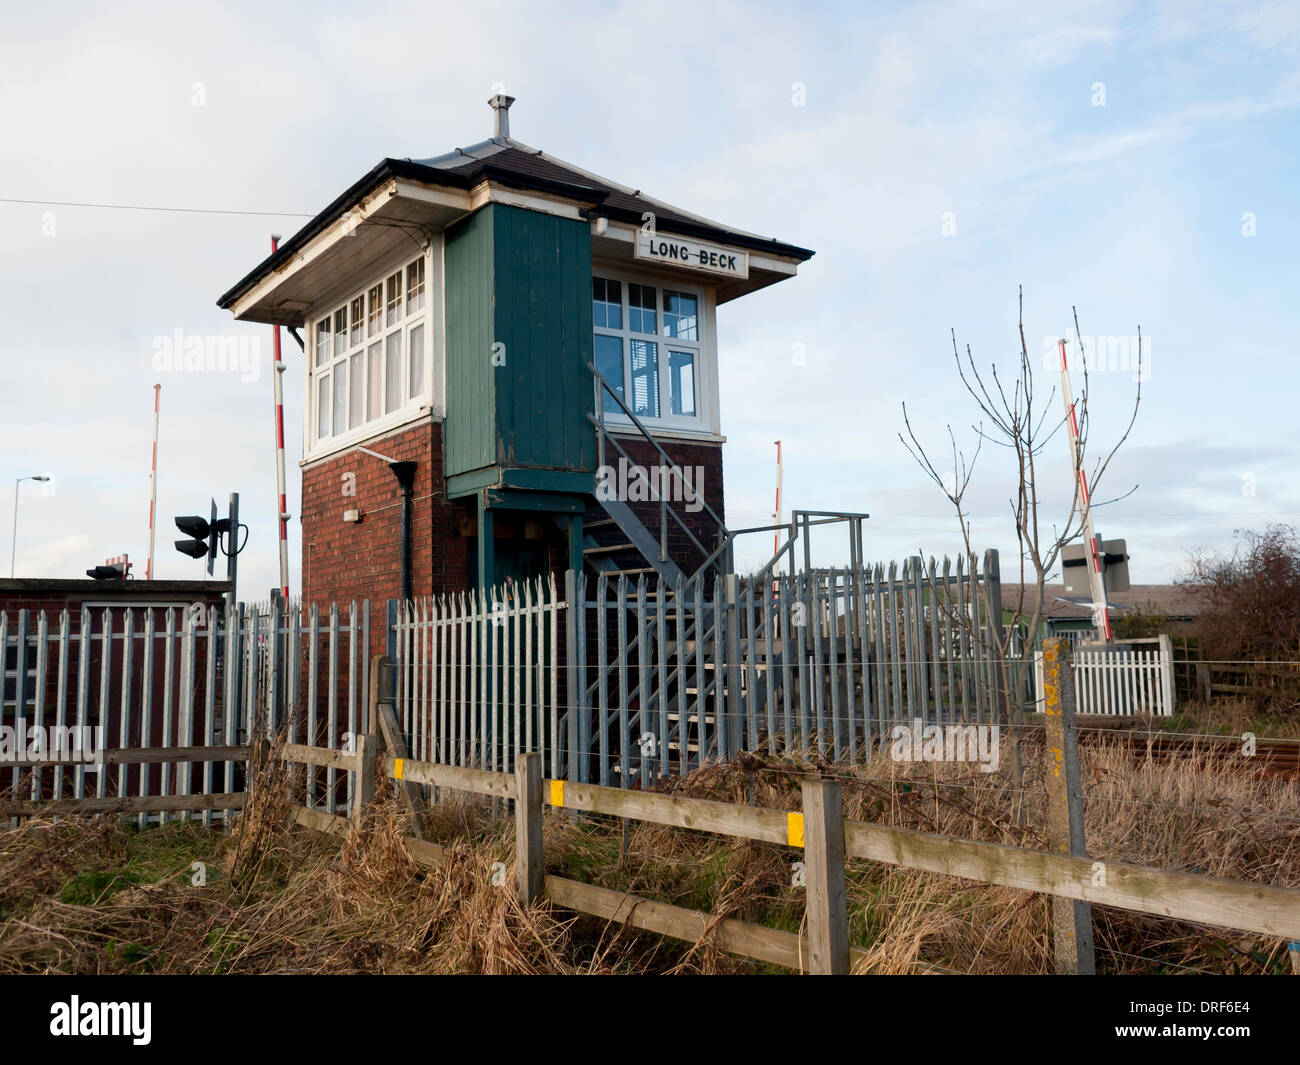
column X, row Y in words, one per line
column 827, row 841
column 141, row 756
column 319, row 820
column 130, row 804
column 326, row 758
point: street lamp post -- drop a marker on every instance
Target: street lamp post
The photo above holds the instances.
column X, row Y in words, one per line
column 13, row 547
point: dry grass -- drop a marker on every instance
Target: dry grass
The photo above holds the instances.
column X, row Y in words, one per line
column 104, row 897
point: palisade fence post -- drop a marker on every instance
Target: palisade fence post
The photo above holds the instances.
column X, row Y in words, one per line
column 734, row 705
column 273, row 716
column 1071, row 918
column 528, row 827
column 390, row 632
column 827, row 895
column 572, row 619
column 367, row 770
column 1005, row 713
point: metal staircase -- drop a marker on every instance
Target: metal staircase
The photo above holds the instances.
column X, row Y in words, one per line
column 619, row 543
column 608, row 554
column 698, row 656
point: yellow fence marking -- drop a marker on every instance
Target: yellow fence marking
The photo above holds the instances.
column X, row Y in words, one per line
column 557, row 793
column 397, row 768
column 794, row 829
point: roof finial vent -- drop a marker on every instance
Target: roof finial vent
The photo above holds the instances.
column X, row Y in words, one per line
column 500, row 104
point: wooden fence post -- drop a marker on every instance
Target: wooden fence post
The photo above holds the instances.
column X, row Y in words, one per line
column 259, row 753
column 367, row 769
column 827, row 897
column 529, row 872
column 1071, row 918
column 384, row 724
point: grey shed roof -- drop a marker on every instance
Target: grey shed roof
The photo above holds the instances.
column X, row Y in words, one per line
column 1171, row 600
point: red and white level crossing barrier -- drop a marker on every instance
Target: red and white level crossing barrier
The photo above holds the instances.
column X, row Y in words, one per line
column 283, row 509
column 1096, row 578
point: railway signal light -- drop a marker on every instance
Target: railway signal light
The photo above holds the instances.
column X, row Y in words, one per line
column 203, row 535
column 204, row 539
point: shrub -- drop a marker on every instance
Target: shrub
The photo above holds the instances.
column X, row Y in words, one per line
column 1251, row 610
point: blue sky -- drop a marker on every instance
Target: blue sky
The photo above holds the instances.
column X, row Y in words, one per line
column 985, row 115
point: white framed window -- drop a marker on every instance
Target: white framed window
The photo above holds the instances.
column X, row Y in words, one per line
column 369, row 356
column 650, row 347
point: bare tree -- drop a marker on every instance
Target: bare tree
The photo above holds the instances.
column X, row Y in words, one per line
column 1012, row 418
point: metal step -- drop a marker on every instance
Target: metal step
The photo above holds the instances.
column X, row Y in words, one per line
column 640, row 536
column 608, row 549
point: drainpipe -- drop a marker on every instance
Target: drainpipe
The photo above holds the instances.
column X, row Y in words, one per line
column 405, row 474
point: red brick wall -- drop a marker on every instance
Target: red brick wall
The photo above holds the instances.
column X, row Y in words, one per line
column 342, row 561
column 707, row 456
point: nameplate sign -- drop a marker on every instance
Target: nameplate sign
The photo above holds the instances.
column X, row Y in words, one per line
column 671, row 250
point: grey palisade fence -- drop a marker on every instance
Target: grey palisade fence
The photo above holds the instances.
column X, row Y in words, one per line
column 665, row 677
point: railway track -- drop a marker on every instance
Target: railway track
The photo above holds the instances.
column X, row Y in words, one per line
column 1273, row 756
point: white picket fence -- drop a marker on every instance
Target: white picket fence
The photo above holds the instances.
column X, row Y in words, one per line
column 478, row 676
column 1131, row 678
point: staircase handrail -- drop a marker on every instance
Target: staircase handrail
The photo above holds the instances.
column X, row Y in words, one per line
column 601, row 428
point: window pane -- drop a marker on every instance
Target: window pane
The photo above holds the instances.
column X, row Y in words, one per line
column 322, row 406
column 641, row 309
column 416, row 376
column 609, row 362
column 680, row 316
column 323, row 341
column 357, row 412
column 395, row 298
column 358, row 321
column 681, row 382
column 340, row 399
column 340, row 331
column 393, row 372
column 375, row 392
column 375, row 319
column 607, row 303
column 645, row 379
column 415, row 286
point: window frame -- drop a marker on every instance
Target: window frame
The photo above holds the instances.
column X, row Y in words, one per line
column 408, row 404
column 704, row 420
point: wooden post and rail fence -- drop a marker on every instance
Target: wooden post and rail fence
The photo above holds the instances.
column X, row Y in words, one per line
column 827, row 840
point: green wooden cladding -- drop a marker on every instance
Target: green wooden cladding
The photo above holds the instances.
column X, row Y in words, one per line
column 519, row 285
